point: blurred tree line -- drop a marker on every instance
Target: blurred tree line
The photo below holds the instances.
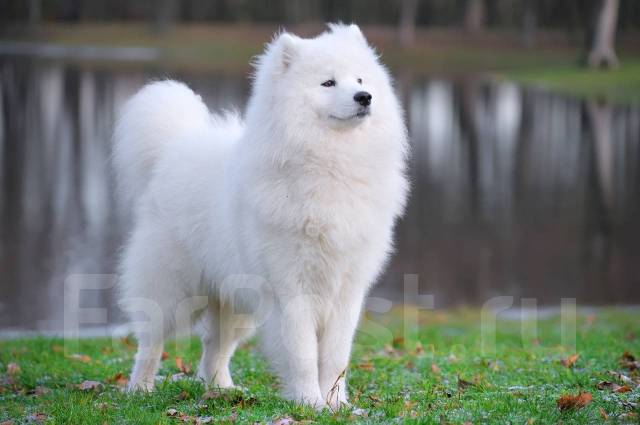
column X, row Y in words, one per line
column 595, row 20
column 570, row 14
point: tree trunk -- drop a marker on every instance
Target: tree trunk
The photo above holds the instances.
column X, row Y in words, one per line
column 474, row 16
column 35, row 14
column 165, row 14
column 603, row 49
column 529, row 23
column 408, row 12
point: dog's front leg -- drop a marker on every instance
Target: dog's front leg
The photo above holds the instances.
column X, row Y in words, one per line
column 290, row 342
column 336, row 339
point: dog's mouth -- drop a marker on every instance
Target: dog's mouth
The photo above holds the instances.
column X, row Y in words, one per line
column 362, row 113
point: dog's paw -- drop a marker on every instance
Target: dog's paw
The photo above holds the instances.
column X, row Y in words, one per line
column 140, row 386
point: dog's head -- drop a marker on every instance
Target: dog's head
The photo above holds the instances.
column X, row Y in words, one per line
column 333, row 81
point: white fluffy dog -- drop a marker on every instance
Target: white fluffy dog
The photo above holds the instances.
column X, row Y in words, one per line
column 281, row 223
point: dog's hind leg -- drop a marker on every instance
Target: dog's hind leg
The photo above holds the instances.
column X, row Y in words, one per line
column 155, row 273
column 222, row 332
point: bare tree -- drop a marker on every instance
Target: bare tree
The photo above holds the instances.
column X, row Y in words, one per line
column 407, row 29
column 603, row 52
column 35, row 14
column 529, row 23
column 165, row 14
column 474, row 15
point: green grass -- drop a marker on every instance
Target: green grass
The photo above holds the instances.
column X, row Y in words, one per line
column 621, row 84
column 391, row 378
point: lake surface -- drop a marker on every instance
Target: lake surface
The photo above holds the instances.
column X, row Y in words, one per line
column 516, row 191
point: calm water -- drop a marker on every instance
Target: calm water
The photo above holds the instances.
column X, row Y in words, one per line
column 515, row 191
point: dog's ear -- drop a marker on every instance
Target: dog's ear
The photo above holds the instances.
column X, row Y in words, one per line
column 288, row 45
column 355, row 31
column 352, row 30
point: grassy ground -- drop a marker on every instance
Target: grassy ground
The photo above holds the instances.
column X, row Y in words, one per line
column 554, row 63
column 437, row 374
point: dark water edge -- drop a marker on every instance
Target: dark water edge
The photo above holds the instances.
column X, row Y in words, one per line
column 516, row 191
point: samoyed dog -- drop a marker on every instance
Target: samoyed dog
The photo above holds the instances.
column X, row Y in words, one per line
column 277, row 223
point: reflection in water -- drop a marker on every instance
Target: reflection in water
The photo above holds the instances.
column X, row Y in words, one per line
column 515, row 191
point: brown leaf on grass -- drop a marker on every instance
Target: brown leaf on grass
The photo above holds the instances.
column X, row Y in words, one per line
column 284, row 420
column 80, row 357
column 435, row 369
column 389, row 350
column 57, row 349
column 118, row 379
column 463, row 385
column 128, row 342
column 164, row 356
column 570, row 361
column 38, row 391
column 182, row 366
column 623, row 378
column 9, row 422
column 631, row 416
column 603, row 414
column 569, row 401
column 611, row 386
column 628, row 361
column 37, row 417
column 375, row 398
column 366, row 366
column 89, row 386
column 398, row 342
column 182, row 396
column 13, row 369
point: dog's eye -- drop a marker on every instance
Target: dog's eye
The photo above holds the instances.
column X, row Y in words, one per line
column 329, row 83
column 359, row 80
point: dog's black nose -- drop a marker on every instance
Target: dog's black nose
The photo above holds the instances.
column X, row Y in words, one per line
column 363, row 98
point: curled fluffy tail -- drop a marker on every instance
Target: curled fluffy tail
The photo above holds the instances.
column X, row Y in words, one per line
column 159, row 113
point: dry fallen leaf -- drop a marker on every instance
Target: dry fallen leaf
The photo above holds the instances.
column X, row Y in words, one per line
column 603, row 414
column 37, row 417
column 13, row 369
column 57, row 349
column 182, row 366
column 285, row 420
column 623, row 378
column 128, row 342
column 463, row 385
column 611, row 386
column 375, row 399
column 366, row 366
column 9, row 422
column 419, row 350
column 435, row 369
column 80, row 357
column 89, row 385
column 182, row 396
column 568, row 401
column 628, row 361
column 398, row 342
column 118, row 379
column 164, row 356
column 38, row 391
column 570, row 361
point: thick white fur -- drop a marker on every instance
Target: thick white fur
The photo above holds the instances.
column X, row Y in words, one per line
column 281, row 223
